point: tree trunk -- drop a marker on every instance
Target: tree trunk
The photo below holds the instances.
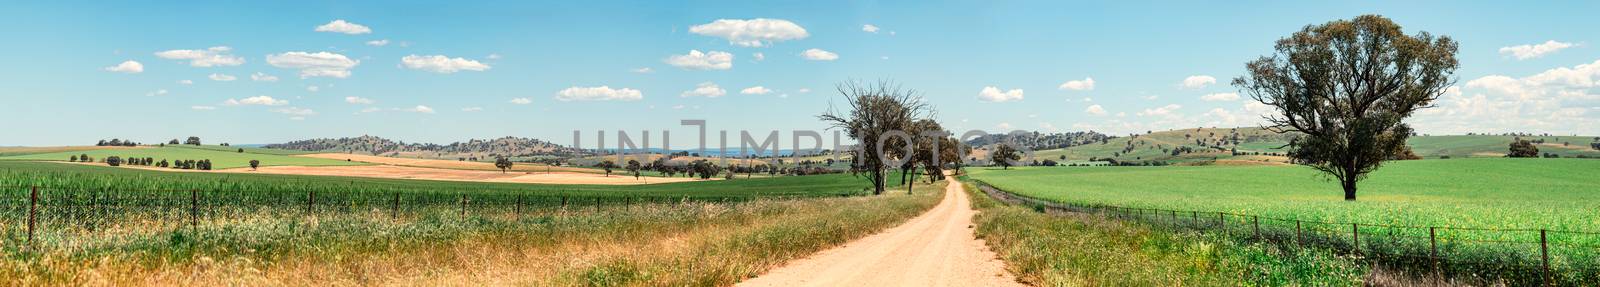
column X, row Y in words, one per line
column 1349, row 189
column 877, row 182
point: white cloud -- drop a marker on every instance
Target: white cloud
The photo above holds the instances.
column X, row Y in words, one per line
column 1160, row 111
column 1561, row 100
column 677, row 107
column 803, row 90
column 758, row 56
column 645, row 70
column 359, row 100
column 1004, row 127
column 161, row 92
column 441, row 64
column 319, row 64
column 819, row 55
column 869, row 28
column 1220, row 97
column 1048, row 127
column 472, row 109
column 221, row 77
column 493, row 57
column 340, row 26
column 706, row 89
column 756, row 90
column 1095, row 110
column 601, row 93
column 185, row 82
column 210, row 57
column 1087, row 84
column 256, row 101
column 696, row 60
column 421, row 109
column 130, row 67
column 759, row 32
column 993, row 94
column 521, row 101
column 1524, row 52
column 295, row 111
column 313, row 89
column 1198, row 82
column 369, row 110
column 263, row 77
column 202, row 108
column 378, row 43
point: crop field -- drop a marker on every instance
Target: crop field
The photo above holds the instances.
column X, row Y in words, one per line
column 142, row 226
column 224, row 158
column 1499, row 203
column 1150, row 146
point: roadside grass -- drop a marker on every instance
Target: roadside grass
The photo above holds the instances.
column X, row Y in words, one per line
column 686, row 243
column 1073, row 249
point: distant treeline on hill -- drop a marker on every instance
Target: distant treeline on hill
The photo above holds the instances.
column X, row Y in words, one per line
column 1043, row 141
column 506, row 146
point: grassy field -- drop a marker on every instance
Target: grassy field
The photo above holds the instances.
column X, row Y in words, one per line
column 1072, row 249
column 113, row 233
column 1397, row 204
column 221, row 157
column 1488, row 193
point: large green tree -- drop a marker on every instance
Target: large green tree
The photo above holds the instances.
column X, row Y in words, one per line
column 1347, row 86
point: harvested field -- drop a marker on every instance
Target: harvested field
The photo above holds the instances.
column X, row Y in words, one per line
column 450, row 164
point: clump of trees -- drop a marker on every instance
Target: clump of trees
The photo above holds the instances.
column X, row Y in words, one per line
column 255, row 164
column 116, row 142
column 1347, row 87
column 874, row 111
column 192, row 141
column 633, row 167
column 1523, row 148
column 113, row 161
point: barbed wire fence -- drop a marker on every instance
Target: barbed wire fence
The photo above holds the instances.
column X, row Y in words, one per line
column 1515, row 256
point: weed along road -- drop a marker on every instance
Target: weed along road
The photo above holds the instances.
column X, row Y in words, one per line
column 936, row 248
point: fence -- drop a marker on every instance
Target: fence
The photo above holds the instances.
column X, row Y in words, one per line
column 1515, row 256
column 83, row 216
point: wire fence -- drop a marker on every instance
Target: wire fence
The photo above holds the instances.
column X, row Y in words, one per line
column 1514, row 256
column 77, row 217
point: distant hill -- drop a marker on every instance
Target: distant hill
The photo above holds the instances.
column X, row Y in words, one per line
column 481, row 148
column 1043, row 141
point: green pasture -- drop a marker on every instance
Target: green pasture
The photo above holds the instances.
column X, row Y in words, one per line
column 221, row 157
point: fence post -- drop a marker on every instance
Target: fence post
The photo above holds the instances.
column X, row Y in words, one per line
column 33, row 212
column 1433, row 248
column 1255, row 224
column 1222, row 221
column 563, row 202
column 394, row 209
column 1194, row 218
column 194, row 209
column 1355, row 237
column 463, row 205
column 519, row 206
column 1544, row 251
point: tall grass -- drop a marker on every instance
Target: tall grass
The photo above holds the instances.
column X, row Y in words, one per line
column 1073, row 249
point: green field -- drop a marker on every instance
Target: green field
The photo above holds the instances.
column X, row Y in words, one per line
column 1559, row 194
column 221, row 157
column 1488, row 212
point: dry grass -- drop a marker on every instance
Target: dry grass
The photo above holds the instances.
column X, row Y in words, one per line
column 652, row 245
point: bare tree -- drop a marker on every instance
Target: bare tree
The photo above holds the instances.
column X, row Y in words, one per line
column 874, row 110
column 1347, row 86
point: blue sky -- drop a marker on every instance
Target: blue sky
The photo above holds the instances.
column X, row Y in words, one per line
column 491, row 69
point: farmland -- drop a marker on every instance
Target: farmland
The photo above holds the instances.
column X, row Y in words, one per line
column 1490, row 209
column 221, row 157
column 134, row 226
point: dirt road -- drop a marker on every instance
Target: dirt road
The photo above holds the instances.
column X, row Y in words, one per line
column 937, row 248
